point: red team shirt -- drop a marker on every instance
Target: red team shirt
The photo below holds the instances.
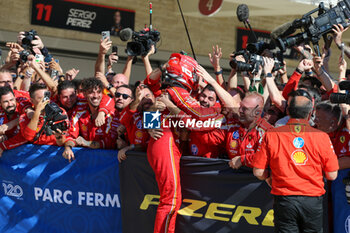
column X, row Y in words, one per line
column 341, row 141
column 83, row 125
column 132, row 120
column 297, row 155
column 30, row 134
column 243, row 142
column 14, row 137
column 106, row 105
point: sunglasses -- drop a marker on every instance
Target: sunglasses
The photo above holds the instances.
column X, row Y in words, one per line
column 301, row 92
column 125, row 96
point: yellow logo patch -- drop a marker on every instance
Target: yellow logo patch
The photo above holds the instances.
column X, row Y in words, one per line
column 83, row 128
column 233, row 144
column 297, row 128
column 299, row 157
column 139, row 134
column 342, row 139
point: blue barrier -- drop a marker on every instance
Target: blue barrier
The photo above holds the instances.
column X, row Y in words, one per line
column 43, row 192
column 341, row 209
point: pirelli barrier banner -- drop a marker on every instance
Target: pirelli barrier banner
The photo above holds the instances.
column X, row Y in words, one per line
column 341, row 207
column 43, row 192
column 215, row 197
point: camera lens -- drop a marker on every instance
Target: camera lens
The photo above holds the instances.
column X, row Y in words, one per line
column 241, row 66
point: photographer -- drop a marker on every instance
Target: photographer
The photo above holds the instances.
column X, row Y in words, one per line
column 32, row 129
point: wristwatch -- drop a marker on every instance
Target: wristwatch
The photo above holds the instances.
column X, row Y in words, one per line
column 109, row 86
column 268, row 75
column 218, row 72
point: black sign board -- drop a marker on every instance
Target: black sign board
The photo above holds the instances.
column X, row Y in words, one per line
column 245, row 37
column 81, row 16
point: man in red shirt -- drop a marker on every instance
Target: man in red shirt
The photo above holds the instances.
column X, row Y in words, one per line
column 83, row 128
column 244, row 133
column 203, row 142
column 123, row 97
column 298, row 155
column 131, row 118
column 9, row 117
column 32, row 129
column 329, row 119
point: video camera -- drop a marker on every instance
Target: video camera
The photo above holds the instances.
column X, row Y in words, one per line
column 141, row 41
column 313, row 28
column 252, row 54
column 55, row 119
column 341, row 98
column 28, row 38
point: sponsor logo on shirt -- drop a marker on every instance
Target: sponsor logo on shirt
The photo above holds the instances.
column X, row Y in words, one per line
column 139, row 124
column 84, row 128
column 297, row 128
column 342, row 139
column 99, row 131
column 298, row 142
column 249, row 146
column 194, row 149
column 139, row 134
column 299, row 157
column 235, row 135
column 343, row 151
column 233, row 144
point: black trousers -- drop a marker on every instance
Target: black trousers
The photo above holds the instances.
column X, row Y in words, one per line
column 293, row 214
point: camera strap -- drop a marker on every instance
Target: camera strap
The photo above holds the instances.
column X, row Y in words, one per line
column 40, row 131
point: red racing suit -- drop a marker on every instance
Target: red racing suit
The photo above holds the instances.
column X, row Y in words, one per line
column 243, row 142
column 164, row 157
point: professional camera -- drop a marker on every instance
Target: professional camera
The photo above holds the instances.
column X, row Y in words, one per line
column 340, row 98
column 55, row 119
column 28, row 37
column 141, row 41
column 23, row 55
column 313, row 28
column 252, row 54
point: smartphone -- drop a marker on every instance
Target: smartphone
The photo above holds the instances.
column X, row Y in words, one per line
column 106, row 34
column 47, row 95
column 39, row 58
column 115, row 49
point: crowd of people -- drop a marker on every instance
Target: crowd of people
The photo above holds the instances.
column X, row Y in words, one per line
column 106, row 111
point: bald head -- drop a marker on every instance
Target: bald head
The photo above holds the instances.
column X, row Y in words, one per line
column 255, row 98
column 6, row 79
column 299, row 107
column 250, row 108
column 118, row 80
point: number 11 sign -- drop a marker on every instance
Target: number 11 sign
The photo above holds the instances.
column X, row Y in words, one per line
column 209, row 7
